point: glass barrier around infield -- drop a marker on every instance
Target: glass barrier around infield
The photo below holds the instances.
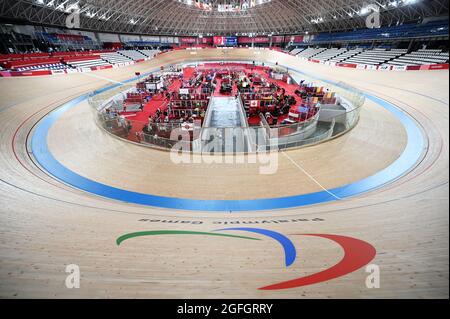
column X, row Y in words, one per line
column 192, row 137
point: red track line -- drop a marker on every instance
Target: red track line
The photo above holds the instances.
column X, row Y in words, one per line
column 407, row 178
column 13, row 140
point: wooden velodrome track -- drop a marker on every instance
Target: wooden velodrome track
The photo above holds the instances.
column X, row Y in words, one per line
column 46, row 224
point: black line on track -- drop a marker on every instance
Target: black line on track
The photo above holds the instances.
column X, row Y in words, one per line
column 218, row 217
column 426, row 135
column 81, row 193
column 410, row 91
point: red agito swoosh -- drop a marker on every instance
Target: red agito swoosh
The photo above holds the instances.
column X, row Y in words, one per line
column 357, row 254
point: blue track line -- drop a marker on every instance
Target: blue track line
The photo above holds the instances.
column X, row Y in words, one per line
column 408, row 159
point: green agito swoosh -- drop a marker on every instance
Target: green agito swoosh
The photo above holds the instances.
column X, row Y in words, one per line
column 121, row 239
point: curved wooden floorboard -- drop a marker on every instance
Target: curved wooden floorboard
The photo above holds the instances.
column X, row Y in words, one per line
column 46, row 225
column 333, row 164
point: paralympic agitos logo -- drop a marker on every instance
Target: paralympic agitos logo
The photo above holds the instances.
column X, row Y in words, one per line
column 357, row 253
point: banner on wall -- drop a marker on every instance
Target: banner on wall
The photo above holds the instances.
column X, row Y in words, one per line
column 227, row 41
column 56, row 72
column 277, row 39
column 347, row 65
column 384, row 67
column 399, row 68
column 205, row 40
column 129, row 38
column 155, row 39
column 188, row 40
column 296, row 39
column 435, row 67
column 308, row 38
column 249, row 40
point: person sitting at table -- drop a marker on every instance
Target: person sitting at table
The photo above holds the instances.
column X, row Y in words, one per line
column 129, row 127
column 269, row 118
column 285, row 108
column 280, row 99
column 292, row 100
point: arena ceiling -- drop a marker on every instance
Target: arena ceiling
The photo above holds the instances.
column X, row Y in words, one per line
column 175, row 17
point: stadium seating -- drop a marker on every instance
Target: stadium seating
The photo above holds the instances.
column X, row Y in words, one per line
column 329, row 54
column 25, row 61
column 405, row 31
column 51, row 66
column 150, row 53
column 310, row 52
column 62, row 60
column 67, row 40
column 133, row 54
column 88, row 62
column 296, row 51
column 376, row 56
column 346, row 55
column 115, row 58
column 421, row 57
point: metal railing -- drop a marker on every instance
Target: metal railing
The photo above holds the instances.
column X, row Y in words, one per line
column 167, row 136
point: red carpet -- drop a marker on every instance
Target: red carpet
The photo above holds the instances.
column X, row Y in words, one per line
column 140, row 119
column 188, row 73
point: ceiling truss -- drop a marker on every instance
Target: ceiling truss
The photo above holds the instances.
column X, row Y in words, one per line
column 171, row 17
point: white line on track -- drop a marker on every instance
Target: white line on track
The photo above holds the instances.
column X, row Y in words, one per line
column 310, row 176
column 101, row 77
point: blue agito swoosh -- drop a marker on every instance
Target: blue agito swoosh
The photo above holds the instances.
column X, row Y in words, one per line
column 290, row 252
